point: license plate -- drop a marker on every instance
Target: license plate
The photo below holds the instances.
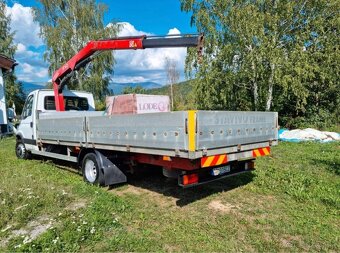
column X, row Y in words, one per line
column 220, row 171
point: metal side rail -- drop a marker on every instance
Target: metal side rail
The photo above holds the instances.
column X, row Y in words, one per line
column 55, row 155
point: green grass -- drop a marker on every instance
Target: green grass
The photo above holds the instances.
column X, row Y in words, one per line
column 290, row 203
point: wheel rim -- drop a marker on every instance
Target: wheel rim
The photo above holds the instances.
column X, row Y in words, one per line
column 90, row 171
column 21, row 150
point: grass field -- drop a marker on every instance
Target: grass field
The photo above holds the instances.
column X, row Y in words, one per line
column 290, row 203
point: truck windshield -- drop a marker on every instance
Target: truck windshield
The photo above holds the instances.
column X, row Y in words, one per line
column 71, row 103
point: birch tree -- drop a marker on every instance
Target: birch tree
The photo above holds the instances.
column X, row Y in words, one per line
column 66, row 26
column 264, row 55
column 172, row 75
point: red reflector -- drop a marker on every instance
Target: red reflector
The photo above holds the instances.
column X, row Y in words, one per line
column 190, row 179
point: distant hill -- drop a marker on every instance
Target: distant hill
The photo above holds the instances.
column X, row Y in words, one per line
column 182, row 88
column 117, row 88
column 28, row 87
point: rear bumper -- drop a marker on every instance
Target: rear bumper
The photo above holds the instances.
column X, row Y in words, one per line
column 205, row 176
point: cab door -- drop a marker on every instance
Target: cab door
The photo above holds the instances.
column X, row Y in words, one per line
column 26, row 127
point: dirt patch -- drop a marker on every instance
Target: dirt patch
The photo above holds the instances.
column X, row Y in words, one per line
column 218, row 206
column 129, row 190
column 259, row 202
column 32, row 230
column 81, row 203
column 154, row 197
column 171, row 248
column 288, row 241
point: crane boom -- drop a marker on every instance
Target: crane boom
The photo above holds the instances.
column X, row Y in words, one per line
column 87, row 53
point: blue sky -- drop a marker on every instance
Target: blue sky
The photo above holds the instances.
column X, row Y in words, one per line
column 138, row 17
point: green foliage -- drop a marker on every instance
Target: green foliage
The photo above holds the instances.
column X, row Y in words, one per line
column 100, row 105
column 183, row 95
column 134, row 90
column 66, row 27
column 7, row 46
column 14, row 92
column 267, row 55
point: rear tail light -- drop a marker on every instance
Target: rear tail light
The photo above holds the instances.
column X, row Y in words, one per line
column 190, row 179
column 76, row 150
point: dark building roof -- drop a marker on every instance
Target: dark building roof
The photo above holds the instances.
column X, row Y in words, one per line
column 6, row 63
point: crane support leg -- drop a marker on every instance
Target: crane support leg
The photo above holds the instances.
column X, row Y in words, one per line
column 59, row 98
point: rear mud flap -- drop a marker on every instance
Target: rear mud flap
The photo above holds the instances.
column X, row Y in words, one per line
column 111, row 173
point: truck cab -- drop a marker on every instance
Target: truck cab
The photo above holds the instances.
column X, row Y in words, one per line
column 42, row 101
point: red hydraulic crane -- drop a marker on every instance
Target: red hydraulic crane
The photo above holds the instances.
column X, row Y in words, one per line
column 87, row 53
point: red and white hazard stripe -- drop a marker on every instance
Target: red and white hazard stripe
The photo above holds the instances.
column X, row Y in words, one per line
column 214, row 160
column 261, row 152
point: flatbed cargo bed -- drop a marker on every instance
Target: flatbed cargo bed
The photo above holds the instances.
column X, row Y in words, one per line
column 186, row 134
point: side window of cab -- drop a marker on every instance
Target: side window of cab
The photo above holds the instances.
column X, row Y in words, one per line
column 28, row 108
column 71, row 103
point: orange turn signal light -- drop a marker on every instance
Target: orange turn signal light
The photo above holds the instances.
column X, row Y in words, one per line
column 167, row 158
column 190, row 179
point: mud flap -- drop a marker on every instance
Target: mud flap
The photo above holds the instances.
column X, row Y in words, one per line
column 111, row 173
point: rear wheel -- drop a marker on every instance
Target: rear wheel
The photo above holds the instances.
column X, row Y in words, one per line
column 21, row 151
column 91, row 170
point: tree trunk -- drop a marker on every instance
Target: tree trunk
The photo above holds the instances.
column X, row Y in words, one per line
column 270, row 87
column 172, row 96
column 255, row 86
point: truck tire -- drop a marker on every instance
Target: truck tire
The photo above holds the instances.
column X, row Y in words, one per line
column 91, row 170
column 21, row 151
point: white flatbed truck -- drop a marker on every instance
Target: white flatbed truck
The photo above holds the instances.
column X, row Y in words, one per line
column 193, row 146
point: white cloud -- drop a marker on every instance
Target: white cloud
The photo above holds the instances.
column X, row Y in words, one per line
column 174, row 31
column 132, row 65
column 147, row 61
column 29, row 73
column 32, row 67
column 42, row 73
column 129, row 30
column 130, row 79
column 27, row 68
column 26, row 30
column 23, row 52
column 21, row 48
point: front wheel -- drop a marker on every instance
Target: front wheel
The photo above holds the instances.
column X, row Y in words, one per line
column 91, row 170
column 21, row 151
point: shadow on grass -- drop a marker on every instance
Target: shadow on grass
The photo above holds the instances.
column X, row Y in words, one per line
column 153, row 180
column 156, row 182
column 60, row 164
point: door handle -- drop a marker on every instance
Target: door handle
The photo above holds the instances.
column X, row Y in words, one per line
column 31, row 124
